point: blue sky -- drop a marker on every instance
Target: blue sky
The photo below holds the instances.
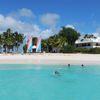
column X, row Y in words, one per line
column 47, row 16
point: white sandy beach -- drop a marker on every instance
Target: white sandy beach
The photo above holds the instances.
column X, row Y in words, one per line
column 47, row 58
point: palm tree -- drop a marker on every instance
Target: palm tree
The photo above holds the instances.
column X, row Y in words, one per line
column 18, row 39
column 61, row 42
column 10, row 40
column 7, row 39
column 57, row 42
column 1, row 41
column 8, row 43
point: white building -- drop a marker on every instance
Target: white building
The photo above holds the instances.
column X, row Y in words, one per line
column 92, row 42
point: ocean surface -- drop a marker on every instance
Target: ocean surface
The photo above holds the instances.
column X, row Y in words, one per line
column 39, row 82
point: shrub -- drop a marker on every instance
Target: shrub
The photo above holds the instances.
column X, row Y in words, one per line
column 87, row 50
column 81, row 50
column 94, row 51
column 68, row 49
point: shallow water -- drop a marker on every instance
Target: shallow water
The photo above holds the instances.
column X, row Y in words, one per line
column 40, row 83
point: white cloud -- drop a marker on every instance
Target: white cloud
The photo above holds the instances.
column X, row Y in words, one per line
column 49, row 19
column 49, row 32
column 26, row 28
column 24, row 12
column 70, row 26
column 13, row 21
column 46, row 33
column 15, row 25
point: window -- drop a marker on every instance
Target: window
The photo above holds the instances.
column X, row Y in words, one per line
column 89, row 44
column 97, row 44
column 76, row 45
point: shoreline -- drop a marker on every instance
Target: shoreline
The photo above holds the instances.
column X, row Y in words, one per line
column 51, row 59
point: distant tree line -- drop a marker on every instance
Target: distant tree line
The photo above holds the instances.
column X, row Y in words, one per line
column 64, row 41
column 10, row 40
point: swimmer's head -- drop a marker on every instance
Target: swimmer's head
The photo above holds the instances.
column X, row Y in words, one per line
column 68, row 65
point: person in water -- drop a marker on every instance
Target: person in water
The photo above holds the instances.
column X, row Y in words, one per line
column 82, row 65
column 57, row 73
column 68, row 65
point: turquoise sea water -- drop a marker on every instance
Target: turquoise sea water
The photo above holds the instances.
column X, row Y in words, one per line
column 40, row 83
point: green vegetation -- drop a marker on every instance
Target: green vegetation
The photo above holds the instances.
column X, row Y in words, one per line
column 81, row 50
column 25, row 48
column 9, row 40
column 68, row 49
column 94, row 51
column 34, row 40
column 64, row 42
column 87, row 50
column 61, row 42
column 70, row 34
